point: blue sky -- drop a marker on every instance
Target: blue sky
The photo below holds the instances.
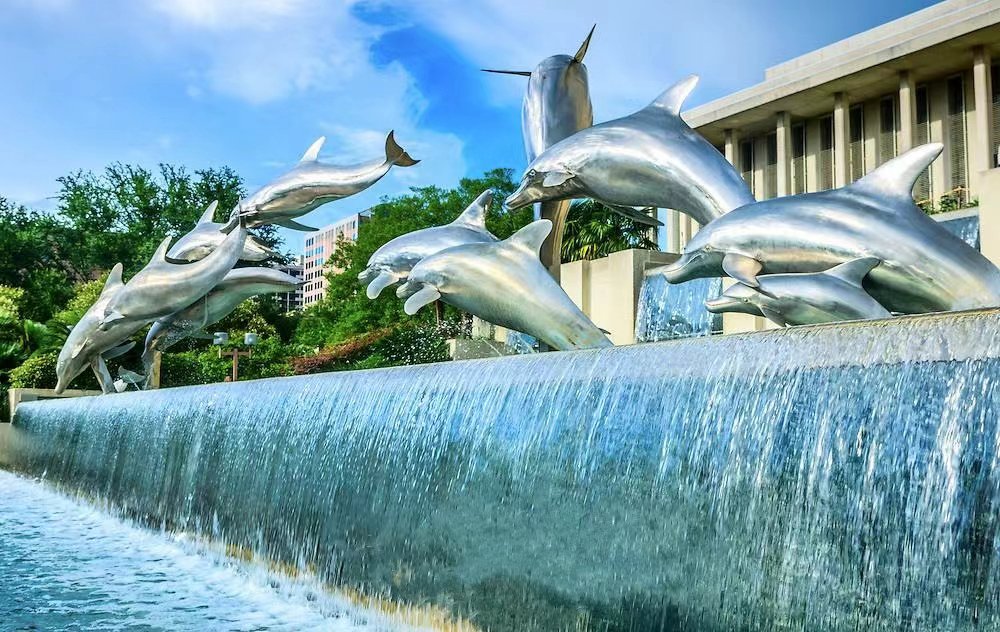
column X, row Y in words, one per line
column 251, row 83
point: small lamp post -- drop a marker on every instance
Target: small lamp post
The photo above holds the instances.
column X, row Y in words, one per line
column 249, row 340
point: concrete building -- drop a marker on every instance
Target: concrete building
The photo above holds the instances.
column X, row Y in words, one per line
column 291, row 301
column 319, row 247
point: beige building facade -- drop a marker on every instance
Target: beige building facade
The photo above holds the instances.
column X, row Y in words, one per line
column 319, row 247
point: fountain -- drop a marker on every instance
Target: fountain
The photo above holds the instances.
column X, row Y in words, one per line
column 675, row 311
column 815, row 478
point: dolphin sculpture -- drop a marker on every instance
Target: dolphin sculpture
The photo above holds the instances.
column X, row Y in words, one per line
column 237, row 286
column 311, row 184
column 163, row 288
column 504, row 283
column 392, row 263
column 924, row 267
column 651, row 158
column 206, row 237
column 806, row 298
column 89, row 345
column 556, row 105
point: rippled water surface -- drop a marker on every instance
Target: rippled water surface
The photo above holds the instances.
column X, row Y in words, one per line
column 66, row 565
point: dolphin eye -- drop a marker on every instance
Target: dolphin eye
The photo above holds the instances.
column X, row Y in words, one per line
column 532, row 174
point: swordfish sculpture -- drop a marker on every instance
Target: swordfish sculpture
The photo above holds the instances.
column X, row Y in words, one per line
column 311, row 184
column 206, row 237
column 504, row 283
column 923, row 268
column 651, row 158
column 834, row 295
column 556, row 105
column 90, row 345
column 237, row 286
column 391, row 263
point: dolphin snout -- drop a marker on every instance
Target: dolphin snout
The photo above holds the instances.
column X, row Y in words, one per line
column 367, row 275
column 408, row 289
column 676, row 272
column 721, row 304
column 523, row 196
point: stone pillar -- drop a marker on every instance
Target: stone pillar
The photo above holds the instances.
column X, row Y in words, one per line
column 673, row 231
column 907, row 111
column 840, row 122
column 783, row 130
column 731, row 147
column 989, row 214
column 981, row 157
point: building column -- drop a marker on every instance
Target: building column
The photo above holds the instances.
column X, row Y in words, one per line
column 907, row 111
column 783, row 131
column 730, row 147
column 982, row 155
column 840, row 106
column 673, row 231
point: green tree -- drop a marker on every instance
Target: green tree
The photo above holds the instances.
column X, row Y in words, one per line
column 593, row 231
column 29, row 259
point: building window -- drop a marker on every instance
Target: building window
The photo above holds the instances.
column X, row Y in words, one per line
column 886, row 129
column 995, row 76
column 956, row 137
column 825, row 157
column 856, row 136
column 922, row 190
column 799, row 158
column 746, row 162
column 771, row 166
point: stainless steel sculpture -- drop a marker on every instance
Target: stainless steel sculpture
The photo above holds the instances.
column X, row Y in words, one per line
column 206, row 237
column 90, row 345
column 806, row 298
column 163, row 288
column 237, row 286
column 391, row 264
column 311, row 184
column 504, row 283
column 649, row 159
column 924, row 268
column 556, row 106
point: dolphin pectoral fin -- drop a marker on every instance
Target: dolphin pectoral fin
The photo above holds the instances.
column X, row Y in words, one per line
column 854, row 271
column 519, row 73
column 120, row 350
column 293, row 225
column 110, row 318
column 582, row 51
column 396, row 155
column 672, row 99
column 774, row 316
column 425, row 296
column 641, row 217
column 556, row 178
column 382, row 281
column 742, row 268
column 312, row 154
column 208, row 216
column 896, row 177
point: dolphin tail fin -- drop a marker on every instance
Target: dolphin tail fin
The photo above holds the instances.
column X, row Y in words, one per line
column 396, row 155
column 583, row 47
column 897, row 177
column 854, row 271
column 519, row 73
column 475, row 214
column 672, row 99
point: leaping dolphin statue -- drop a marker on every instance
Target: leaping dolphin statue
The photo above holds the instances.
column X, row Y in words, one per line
column 924, row 267
column 506, row 284
column 651, row 158
column 311, row 184
column 206, row 237
column 162, row 288
column 810, row 298
column 237, row 286
column 556, row 105
column 89, row 345
column 392, row 263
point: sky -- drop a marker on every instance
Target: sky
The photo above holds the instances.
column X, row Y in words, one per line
column 252, row 83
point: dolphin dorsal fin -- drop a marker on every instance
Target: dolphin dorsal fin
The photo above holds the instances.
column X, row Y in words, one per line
column 474, row 215
column 114, row 278
column 897, row 177
column 312, row 154
column 530, row 237
column 854, row 271
column 208, row 217
column 673, row 97
column 582, row 51
column 160, row 255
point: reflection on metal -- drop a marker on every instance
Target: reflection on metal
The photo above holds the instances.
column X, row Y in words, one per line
column 504, row 283
column 924, row 267
column 391, row 264
column 649, row 159
column 830, row 478
column 207, row 236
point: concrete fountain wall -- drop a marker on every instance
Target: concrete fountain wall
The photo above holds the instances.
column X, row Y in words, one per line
column 820, row 478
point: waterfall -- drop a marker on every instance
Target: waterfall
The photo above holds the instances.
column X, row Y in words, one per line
column 838, row 477
column 669, row 311
column 965, row 228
